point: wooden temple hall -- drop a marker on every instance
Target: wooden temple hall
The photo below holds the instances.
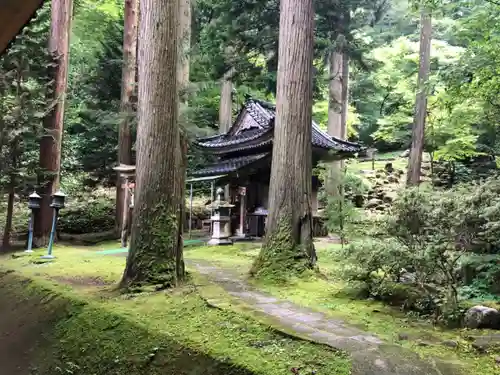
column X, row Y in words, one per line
column 243, row 165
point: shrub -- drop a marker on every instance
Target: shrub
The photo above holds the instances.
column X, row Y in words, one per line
column 91, row 212
column 418, row 265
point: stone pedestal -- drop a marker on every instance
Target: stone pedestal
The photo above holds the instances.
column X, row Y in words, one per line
column 221, row 221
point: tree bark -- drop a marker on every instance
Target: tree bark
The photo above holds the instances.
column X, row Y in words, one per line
column 131, row 23
column 184, row 48
column 336, row 118
column 335, row 95
column 7, row 231
column 417, row 138
column 156, row 231
column 226, row 102
column 183, row 53
column 288, row 243
column 50, row 144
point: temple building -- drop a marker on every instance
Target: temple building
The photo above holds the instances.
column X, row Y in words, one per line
column 243, row 162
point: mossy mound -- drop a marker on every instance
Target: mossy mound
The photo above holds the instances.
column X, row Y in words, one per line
column 60, row 323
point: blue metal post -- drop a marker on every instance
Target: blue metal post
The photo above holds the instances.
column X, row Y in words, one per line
column 30, row 233
column 52, row 235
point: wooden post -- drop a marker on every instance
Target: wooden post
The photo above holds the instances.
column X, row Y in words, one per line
column 50, row 144
column 243, row 200
column 190, row 209
column 125, row 212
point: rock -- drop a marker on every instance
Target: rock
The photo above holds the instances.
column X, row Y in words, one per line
column 482, row 317
column 403, row 337
column 450, row 344
column 367, row 172
column 389, row 197
column 359, row 200
column 372, row 203
column 497, row 360
column 405, row 153
column 393, row 179
column 423, row 343
column 486, row 343
column 408, row 278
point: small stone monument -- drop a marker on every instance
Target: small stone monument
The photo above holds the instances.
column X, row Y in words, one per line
column 220, row 220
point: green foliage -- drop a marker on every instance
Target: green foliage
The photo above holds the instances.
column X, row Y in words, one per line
column 428, row 237
column 88, row 212
column 24, row 86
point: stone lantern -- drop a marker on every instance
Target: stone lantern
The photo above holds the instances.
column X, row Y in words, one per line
column 34, row 201
column 220, row 220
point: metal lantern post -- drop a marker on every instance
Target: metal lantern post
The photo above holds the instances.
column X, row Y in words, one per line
column 33, row 204
column 58, row 199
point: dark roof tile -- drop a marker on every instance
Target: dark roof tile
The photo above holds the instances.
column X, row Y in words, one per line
column 230, row 165
column 264, row 114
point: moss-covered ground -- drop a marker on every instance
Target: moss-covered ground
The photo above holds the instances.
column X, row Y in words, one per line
column 325, row 292
column 95, row 330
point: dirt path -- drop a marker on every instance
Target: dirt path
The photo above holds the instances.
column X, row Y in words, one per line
column 370, row 355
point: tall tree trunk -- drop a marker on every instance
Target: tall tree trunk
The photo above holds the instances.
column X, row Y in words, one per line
column 226, row 102
column 127, row 112
column 183, row 53
column 335, row 94
column 345, row 94
column 7, row 231
column 156, row 231
column 417, row 137
column 288, row 243
column 226, row 110
column 337, row 120
column 336, row 124
column 50, row 144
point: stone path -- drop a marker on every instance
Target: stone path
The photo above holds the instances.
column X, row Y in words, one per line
column 370, row 355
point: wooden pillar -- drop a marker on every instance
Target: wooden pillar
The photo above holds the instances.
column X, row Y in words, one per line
column 243, row 210
column 125, row 211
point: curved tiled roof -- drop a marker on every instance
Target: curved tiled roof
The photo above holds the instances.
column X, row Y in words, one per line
column 264, row 114
column 230, row 165
column 229, row 140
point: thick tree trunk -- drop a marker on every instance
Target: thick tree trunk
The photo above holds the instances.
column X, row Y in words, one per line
column 226, row 102
column 337, row 121
column 335, row 97
column 288, row 243
column 183, row 53
column 7, row 231
column 156, row 231
column 50, row 144
column 127, row 112
column 345, row 94
column 184, row 47
column 417, row 138
column 336, row 124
